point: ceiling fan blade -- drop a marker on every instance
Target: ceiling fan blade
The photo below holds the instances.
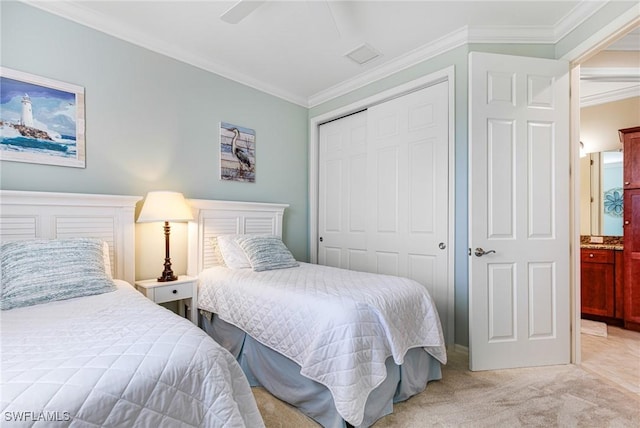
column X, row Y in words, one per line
column 342, row 16
column 241, row 10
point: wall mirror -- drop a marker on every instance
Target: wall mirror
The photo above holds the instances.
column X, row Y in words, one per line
column 603, row 216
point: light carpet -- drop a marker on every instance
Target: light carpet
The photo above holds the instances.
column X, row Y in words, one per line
column 554, row 396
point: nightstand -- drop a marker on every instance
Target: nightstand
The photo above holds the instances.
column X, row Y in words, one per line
column 184, row 288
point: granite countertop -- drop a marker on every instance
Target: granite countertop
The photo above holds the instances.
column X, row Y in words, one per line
column 609, row 243
column 618, row 247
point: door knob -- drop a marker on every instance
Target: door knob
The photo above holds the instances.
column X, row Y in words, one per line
column 480, row 252
column 442, row 245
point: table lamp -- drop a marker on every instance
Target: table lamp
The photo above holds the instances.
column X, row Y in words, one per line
column 165, row 206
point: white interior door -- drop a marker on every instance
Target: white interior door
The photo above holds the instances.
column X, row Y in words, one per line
column 383, row 191
column 519, row 211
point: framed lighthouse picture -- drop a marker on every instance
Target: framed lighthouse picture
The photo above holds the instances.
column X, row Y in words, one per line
column 41, row 120
column 237, row 153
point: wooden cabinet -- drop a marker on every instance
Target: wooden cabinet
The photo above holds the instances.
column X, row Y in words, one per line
column 598, row 282
column 602, row 285
column 630, row 138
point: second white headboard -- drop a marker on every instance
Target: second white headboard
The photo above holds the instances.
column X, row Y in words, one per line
column 213, row 218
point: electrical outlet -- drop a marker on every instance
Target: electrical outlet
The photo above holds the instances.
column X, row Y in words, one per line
column 597, row 239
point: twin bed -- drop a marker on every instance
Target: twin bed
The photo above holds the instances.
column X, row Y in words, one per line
column 111, row 358
column 341, row 346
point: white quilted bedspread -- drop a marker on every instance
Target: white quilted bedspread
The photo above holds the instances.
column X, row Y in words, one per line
column 338, row 325
column 118, row 360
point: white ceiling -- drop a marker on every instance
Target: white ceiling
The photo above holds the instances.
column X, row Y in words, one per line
column 295, row 49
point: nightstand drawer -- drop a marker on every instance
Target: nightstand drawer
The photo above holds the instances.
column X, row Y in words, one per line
column 170, row 292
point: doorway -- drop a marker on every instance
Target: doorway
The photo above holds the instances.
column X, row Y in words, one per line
column 608, row 86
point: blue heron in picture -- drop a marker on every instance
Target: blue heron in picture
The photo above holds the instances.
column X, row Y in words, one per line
column 239, row 153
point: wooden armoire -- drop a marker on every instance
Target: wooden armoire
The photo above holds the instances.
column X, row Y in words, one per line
column 630, row 138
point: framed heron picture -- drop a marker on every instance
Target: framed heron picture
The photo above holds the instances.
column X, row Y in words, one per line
column 41, row 120
column 237, row 153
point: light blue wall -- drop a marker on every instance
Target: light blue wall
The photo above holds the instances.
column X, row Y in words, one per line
column 459, row 58
column 152, row 122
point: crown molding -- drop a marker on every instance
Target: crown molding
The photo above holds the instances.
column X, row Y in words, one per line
column 613, row 74
column 437, row 47
column 74, row 11
column 610, row 96
column 581, row 12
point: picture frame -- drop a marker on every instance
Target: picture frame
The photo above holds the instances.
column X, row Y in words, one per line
column 237, row 153
column 42, row 120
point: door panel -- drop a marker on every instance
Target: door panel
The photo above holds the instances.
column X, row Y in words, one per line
column 342, row 219
column 384, row 191
column 519, row 210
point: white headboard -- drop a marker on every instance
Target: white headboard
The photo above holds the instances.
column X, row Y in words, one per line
column 44, row 215
column 213, row 218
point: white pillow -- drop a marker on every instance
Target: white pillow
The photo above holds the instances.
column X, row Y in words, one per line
column 107, row 259
column 234, row 257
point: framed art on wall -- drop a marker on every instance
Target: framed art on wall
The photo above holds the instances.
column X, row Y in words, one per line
column 41, row 120
column 237, row 153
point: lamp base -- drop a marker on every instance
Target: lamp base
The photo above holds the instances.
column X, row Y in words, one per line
column 167, row 277
column 167, row 274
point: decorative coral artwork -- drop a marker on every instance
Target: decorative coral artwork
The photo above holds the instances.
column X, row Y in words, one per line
column 614, row 202
column 237, row 153
column 41, row 120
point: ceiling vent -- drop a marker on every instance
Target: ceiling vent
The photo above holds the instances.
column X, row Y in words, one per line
column 362, row 54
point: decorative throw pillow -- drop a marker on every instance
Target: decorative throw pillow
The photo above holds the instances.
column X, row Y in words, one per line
column 232, row 254
column 40, row 271
column 266, row 253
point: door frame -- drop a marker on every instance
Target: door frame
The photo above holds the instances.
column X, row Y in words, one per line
column 445, row 75
column 592, row 45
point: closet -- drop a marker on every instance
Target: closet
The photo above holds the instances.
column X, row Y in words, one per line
column 383, row 192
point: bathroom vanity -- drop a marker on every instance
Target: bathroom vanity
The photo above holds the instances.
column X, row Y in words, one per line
column 602, row 284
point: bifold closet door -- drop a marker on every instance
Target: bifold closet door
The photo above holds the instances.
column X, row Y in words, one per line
column 383, row 190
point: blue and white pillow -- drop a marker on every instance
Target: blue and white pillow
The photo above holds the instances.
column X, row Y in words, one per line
column 40, row 271
column 266, row 253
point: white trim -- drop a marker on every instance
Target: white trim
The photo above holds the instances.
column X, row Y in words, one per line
column 75, row 11
column 446, row 74
column 597, row 42
column 80, row 14
column 601, row 38
column 610, row 96
column 421, row 54
column 580, row 13
column 574, row 209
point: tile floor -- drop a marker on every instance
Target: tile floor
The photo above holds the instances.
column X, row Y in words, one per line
column 615, row 357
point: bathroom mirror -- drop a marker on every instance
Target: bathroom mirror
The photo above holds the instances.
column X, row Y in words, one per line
column 602, row 210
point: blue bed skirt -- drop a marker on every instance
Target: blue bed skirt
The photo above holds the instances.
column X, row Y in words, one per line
column 281, row 376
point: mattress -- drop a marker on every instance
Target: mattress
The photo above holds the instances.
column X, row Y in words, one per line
column 339, row 326
column 117, row 359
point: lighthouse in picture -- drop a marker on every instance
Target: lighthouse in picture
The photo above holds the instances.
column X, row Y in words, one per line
column 26, row 118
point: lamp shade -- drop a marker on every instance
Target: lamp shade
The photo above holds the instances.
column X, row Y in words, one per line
column 164, row 206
